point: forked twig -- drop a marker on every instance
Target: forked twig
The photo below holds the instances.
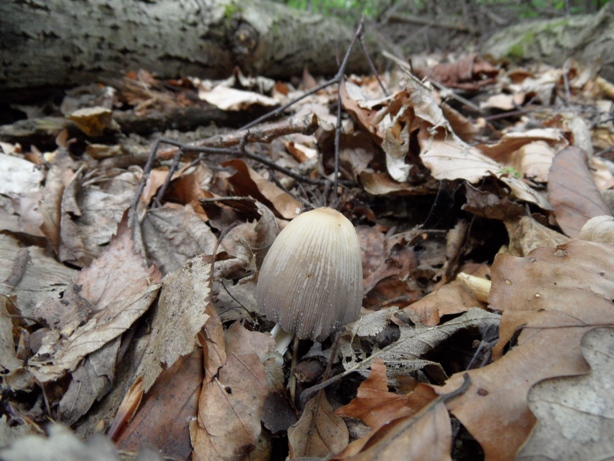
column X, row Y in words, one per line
column 221, row 144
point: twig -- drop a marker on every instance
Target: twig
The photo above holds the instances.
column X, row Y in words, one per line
column 265, row 133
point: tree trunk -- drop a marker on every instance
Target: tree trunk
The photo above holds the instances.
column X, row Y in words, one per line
column 47, row 43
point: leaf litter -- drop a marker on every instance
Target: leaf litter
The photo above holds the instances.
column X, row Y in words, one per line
column 484, row 318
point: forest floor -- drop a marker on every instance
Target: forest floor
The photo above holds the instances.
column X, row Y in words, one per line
column 481, row 195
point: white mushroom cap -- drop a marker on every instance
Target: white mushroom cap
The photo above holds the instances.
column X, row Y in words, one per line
column 311, row 278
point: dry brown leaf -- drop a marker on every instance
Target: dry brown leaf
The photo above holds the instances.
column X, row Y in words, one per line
column 575, row 414
column 165, row 411
column 213, row 343
column 376, row 406
column 178, row 317
column 319, row 432
column 572, row 191
column 8, row 358
column 376, row 183
column 526, row 234
column 469, row 73
column 127, row 409
column 461, row 125
column 92, row 207
column 230, row 409
column 449, row 299
column 248, row 183
column 424, row 436
column 58, row 176
column 91, row 381
column 406, row 354
column 599, row 229
column 117, row 289
column 491, row 204
column 249, row 242
column 549, row 300
column 44, row 279
column 93, row 121
column 173, row 234
column 507, row 148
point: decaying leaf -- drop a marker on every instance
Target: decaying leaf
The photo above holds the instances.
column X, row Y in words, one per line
column 574, row 415
column 375, row 405
column 599, row 229
column 116, row 290
column 452, row 298
column 549, row 299
column 426, row 435
column 178, row 317
column 173, row 234
column 248, row 183
column 165, row 412
column 231, row 402
column 572, row 191
column 526, row 234
column 44, row 279
column 91, row 381
column 92, row 206
column 406, row 353
column 319, row 432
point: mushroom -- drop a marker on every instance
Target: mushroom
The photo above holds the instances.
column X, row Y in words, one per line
column 311, row 278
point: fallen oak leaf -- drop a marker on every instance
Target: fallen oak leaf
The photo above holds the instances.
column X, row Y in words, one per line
column 549, row 299
column 572, row 191
column 163, row 415
column 575, row 413
column 319, row 432
column 426, row 435
column 375, row 405
column 119, row 288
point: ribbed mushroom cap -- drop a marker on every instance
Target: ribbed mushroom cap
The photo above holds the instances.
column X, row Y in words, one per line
column 311, row 278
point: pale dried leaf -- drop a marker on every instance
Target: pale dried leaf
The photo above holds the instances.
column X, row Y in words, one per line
column 599, row 229
column 572, row 191
column 91, row 381
column 44, row 278
column 506, row 150
column 231, row 99
column 405, row 355
column 173, row 234
column 179, row 316
column 18, row 176
column 526, row 234
column 576, row 415
column 8, row 360
column 92, row 207
column 117, row 289
column 61, row 444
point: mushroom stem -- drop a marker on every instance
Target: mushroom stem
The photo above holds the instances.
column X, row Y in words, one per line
column 292, row 380
column 282, row 339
